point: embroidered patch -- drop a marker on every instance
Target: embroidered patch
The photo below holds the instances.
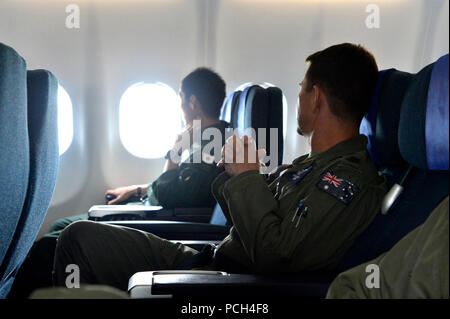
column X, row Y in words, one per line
column 337, row 187
column 296, row 176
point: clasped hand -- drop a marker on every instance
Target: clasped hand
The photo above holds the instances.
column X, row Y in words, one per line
column 240, row 155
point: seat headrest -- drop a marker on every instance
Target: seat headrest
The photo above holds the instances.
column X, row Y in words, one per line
column 254, row 106
column 380, row 124
column 255, row 113
column 247, row 108
column 424, row 123
column 228, row 106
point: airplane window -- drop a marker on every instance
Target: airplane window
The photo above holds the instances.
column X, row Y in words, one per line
column 149, row 119
column 65, row 120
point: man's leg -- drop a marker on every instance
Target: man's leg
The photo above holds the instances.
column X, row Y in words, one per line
column 36, row 270
column 62, row 223
column 110, row 255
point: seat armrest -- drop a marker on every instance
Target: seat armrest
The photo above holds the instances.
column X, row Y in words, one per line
column 174, row 230
column 165, row 284
column 140, row 212
column 140, row 285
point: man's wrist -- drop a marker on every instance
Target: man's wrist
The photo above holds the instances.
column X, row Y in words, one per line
column 141, row 189
column 237, row 171
column 243, row 180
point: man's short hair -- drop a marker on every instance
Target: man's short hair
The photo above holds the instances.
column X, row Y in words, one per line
column 348, row 74
column 208, row 87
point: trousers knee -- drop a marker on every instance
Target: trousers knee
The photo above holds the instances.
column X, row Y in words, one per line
column 77, row 232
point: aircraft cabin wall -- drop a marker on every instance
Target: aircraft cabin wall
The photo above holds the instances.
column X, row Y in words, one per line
column 120, row 43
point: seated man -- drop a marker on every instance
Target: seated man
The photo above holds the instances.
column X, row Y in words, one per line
column 302, row 218
column 185, row 184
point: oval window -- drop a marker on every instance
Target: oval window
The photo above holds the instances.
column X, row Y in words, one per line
column 65, row 120
column 150, row 117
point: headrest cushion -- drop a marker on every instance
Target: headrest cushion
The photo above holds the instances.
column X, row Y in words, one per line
column 381, row 123
column 423, row 128
column 437, row 117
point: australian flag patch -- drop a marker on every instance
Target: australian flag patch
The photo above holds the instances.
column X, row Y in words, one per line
column 337, row 187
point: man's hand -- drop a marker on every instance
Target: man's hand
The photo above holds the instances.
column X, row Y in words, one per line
column 239, row 155
column 123, row 193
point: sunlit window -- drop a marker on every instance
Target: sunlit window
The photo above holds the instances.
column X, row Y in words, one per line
column 65, row 120
column 149, row 119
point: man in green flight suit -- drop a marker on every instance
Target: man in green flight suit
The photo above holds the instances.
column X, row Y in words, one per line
column 302, row 217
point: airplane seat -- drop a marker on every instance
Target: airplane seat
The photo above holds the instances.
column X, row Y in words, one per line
column 419, row 178
column 228, row 107
column 276, row 112
column 42, row 91
column 261, row 107
column 380, row 124
column 218, row 218
column 14, row 151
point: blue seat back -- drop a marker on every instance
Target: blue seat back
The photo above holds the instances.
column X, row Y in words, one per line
column 276, row 117
column 228, row 106
column 256, row 106
column 423, row 132
column 14, row 145
column 427, row 183
column 44, row 159
column 380, row 124
column 218, row 218
column 261, row 106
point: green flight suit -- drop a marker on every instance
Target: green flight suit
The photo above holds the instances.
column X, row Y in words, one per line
column 416, row 267
column 340, row 189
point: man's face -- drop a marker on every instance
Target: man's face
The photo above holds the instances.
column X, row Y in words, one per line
column 305, row 115
column 185, row 107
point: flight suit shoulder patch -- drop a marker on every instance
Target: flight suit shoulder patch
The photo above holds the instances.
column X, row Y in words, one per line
column 296, row 176
column 337, row 187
